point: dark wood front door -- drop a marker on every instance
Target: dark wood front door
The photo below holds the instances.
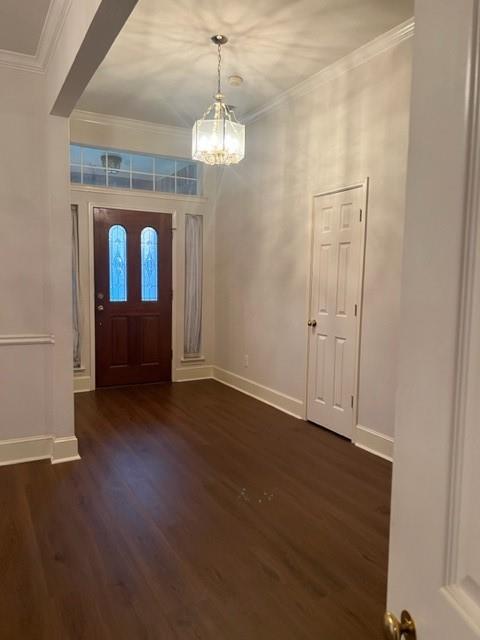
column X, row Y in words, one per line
column 133, row 297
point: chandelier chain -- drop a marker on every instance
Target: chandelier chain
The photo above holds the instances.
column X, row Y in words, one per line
column 219, row 70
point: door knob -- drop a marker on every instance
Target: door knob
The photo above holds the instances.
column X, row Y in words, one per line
column 100, row 307
column 312, row 323
column 395, row 629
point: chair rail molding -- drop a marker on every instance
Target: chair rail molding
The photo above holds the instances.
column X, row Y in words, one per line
column 26, row 339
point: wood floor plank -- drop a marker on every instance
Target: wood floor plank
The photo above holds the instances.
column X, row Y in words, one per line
column 196, row 512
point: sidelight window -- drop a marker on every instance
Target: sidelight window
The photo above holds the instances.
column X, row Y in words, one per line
column 76, row 310
column 193, row 285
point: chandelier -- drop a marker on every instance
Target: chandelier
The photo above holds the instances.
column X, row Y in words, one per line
column 218, row 138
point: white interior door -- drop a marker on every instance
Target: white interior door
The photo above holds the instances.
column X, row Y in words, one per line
column 337, row 264
column 435, row 530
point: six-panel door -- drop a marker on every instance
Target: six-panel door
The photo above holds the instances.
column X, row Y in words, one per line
column 335, row 301
column 133, row 297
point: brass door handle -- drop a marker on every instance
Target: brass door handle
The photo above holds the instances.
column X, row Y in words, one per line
column 312, row 323
column 395, row 629
column 100, row 307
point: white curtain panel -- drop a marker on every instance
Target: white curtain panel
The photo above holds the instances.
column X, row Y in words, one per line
column 77, row 356
column 193, row 285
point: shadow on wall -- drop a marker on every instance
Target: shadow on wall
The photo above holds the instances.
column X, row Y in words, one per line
column 347, row 129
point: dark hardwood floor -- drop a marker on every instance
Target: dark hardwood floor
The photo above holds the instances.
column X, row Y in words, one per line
column 195, row 513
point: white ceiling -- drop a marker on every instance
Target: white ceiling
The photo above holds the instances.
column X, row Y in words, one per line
column 162, row 67
column 21, row 24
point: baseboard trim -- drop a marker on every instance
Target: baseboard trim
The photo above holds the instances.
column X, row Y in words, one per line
column 57, row 450
column 190, row 374
column 373, row 442
column 275, row 399
column 25, row 450
column 64, row 450
column 81, row 384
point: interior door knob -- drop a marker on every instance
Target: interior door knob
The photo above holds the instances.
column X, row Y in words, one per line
column 100, row 307
column 312, row 323
column 396, row 629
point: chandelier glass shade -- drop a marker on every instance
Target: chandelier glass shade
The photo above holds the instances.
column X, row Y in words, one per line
column 218, row 138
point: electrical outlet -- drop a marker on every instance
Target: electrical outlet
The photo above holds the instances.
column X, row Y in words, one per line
column 245, row 360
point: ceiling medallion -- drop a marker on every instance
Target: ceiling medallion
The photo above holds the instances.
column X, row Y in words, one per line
column 218, row 138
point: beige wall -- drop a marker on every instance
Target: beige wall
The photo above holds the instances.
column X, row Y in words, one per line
column 349, row 128
column 24, row 255
column 94, row 129
column 36, row 387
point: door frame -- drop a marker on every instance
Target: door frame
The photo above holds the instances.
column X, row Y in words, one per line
column 91, row 280
column 364, row 185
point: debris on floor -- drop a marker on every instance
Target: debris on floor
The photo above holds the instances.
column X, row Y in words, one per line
column 266, row 497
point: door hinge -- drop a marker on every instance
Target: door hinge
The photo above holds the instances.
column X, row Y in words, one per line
column 351, row 403
column 361, row 214
column 171, row 354
column 356, row 310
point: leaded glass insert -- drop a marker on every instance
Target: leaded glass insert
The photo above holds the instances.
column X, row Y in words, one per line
column 149, row 256
column 117, row 248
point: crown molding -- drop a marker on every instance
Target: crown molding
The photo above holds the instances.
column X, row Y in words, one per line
column 138, row 125
column 363, row 54
column 19, row 61
column 52, row 28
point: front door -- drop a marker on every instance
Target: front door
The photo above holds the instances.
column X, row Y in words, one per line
column 133, row 297
column 338, row 224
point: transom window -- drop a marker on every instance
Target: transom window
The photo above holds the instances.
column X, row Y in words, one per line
column 98, row 167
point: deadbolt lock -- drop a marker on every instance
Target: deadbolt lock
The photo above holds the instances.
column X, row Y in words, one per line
column 403, row 629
